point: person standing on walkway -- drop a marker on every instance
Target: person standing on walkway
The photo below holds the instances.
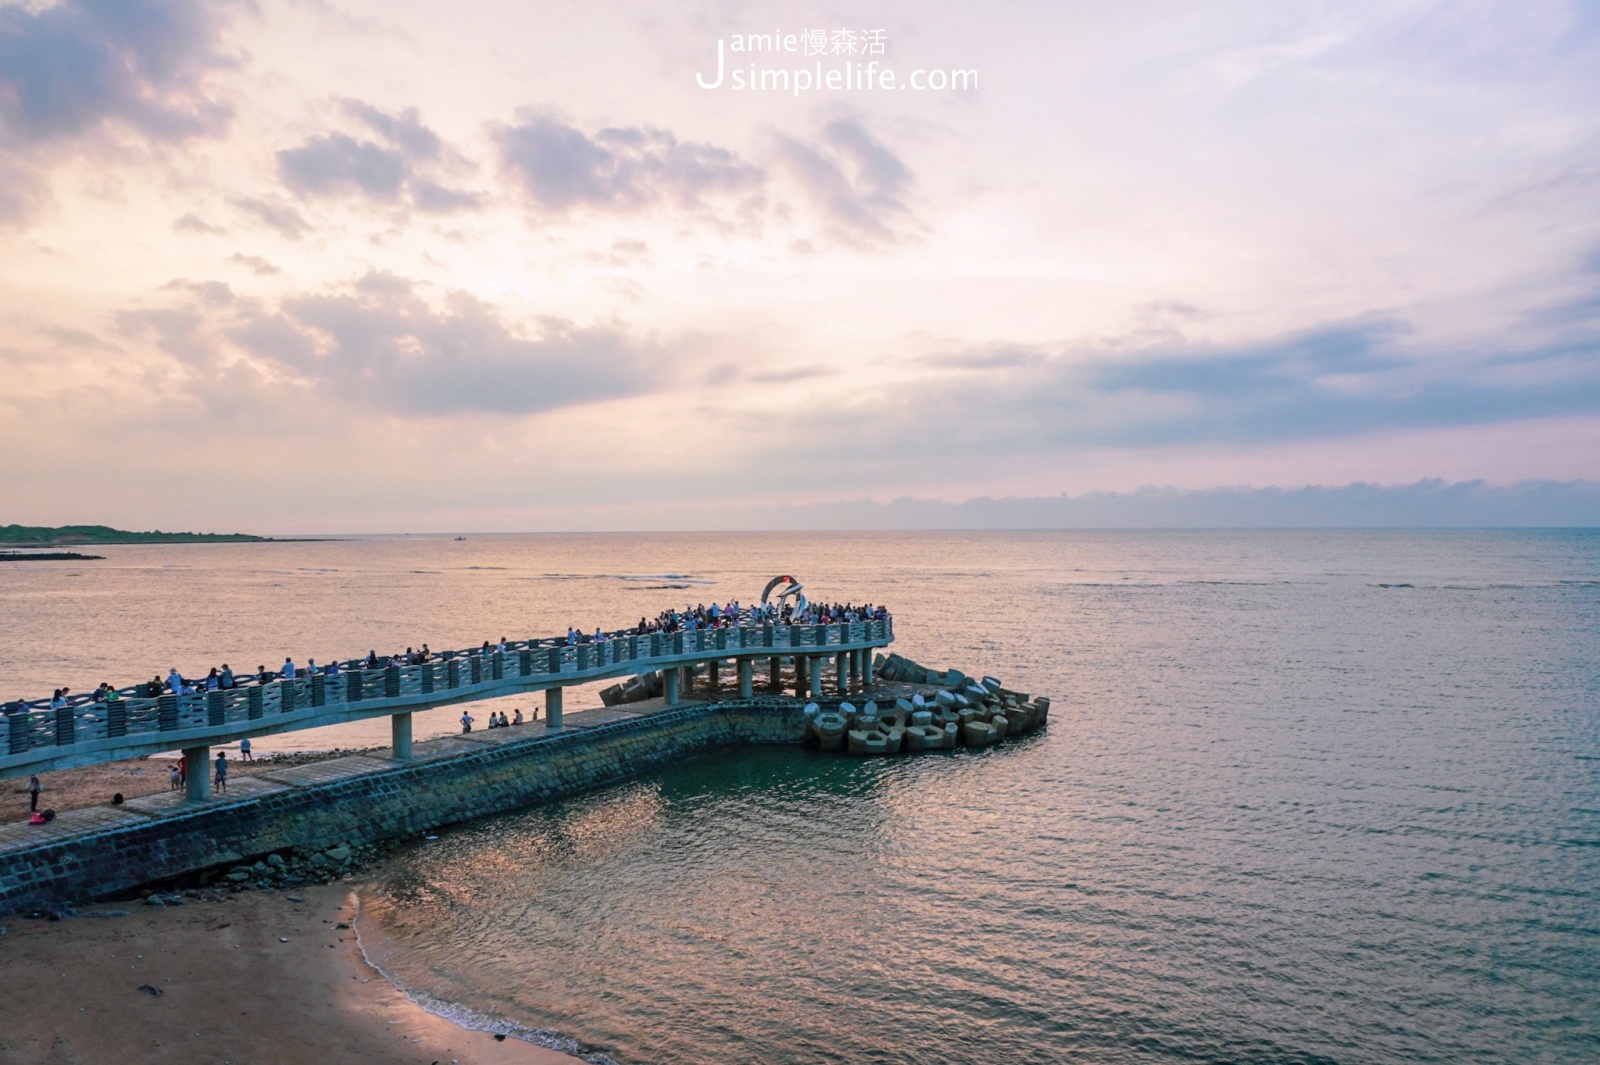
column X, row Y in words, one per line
column 244, row 750
column 466, row 721
column 222, row 771
column 34, row 788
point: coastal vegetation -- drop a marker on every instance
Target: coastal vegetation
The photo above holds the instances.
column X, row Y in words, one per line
column 56, row 536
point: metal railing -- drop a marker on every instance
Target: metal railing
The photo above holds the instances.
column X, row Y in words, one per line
column 105, row 730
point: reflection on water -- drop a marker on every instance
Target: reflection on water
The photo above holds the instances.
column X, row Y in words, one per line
column 1304, row 797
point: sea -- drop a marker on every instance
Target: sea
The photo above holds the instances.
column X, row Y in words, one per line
column 1304, row 796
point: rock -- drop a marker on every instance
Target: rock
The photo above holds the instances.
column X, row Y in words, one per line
column 151, row 989
column 276, row 861
column 318, row 861
column 239, row 876
column 340, row 853
column 261, row 868
column 294, row 898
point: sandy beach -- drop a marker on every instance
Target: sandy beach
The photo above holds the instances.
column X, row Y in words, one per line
column 246, row 978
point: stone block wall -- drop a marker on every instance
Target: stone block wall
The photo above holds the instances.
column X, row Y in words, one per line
column 392, row 802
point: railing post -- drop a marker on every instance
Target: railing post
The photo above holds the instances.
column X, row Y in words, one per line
column 65, row 733
column 214, row 708
column 747, row 670
column 116, row 719
column 552, row 708
column 18, row 729
column 670, row 679
column 391, row 682
column 400, row 734
column 167, row 712
column 197, row 772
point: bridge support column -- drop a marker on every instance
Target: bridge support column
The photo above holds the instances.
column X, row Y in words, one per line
column 670, row 679
column 197, row 772
column 687, row 686
column 866, row 668
column 841, row 671
column 400, row 737
column 814, row 676
column 552, row 708
column 775, row 674
column 713, row 674
column 747, row 678
column 802, row 682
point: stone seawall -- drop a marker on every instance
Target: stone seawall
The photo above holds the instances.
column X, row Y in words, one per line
column 107, row 850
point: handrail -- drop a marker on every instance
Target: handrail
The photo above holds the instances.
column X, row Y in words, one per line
column 105, row 731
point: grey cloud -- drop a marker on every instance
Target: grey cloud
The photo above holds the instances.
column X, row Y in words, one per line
column 189, row 222
column 1338, row 381
column 857, row 183
column 68, row 66
column 381, row 346
column 1429, row 503
column 338, row 163
column 281, row 217
column 259, row 266
column 405, row 130
column 623, row 169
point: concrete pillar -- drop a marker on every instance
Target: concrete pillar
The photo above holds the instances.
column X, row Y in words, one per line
column 400, row 735
column 670, row 679
column 814, row 674
column 841, row 671
column 866, row 668
column 747, row 678
column 687, row 683
column 802, row 682
column 197, row 772
column 775, row 674
column 712, row 674
column 552, row 707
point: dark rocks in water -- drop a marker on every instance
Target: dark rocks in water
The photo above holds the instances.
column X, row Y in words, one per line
column 152, row 990
column 48, row 556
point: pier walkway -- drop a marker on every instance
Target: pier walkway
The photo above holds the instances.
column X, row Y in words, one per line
column 85, row 733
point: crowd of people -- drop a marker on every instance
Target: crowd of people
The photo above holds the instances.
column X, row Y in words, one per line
column 689, row 619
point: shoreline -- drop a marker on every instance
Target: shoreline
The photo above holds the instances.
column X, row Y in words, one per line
column 254, row 976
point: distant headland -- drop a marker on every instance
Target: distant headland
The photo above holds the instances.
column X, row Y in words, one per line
column 64, row 535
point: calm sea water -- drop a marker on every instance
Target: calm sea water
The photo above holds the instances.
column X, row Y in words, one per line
column 1282, row 812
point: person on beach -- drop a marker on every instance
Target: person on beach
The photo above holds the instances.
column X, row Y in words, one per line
column 183, row 769
column 174, row 779
column 222, row 771
column 518, row 719
column 34, row 788
column 244, row 750
column 466, row 721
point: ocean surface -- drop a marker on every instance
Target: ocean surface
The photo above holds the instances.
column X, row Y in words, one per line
column 1320, row 797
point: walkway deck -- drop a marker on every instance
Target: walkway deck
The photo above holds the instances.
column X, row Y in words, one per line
column 39, row 740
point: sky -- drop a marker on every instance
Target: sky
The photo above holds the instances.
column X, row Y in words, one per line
column 304, row 266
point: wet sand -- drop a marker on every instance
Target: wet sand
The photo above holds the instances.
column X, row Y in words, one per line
column 231, row 990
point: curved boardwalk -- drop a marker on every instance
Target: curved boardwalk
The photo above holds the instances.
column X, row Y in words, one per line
column 85, row 733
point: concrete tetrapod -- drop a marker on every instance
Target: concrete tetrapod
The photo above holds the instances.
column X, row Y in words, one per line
column 952, row 735
column 1001, row 725
column 873, row 742
column 978, row 734
column 830, row 729
column 924, row 738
